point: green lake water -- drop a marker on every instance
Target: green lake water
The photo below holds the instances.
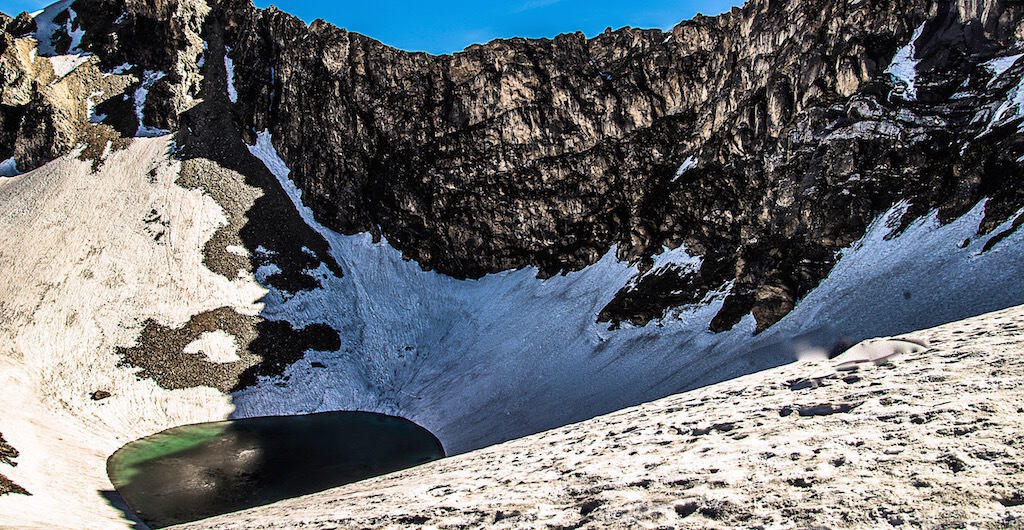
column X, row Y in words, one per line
column 198, row 471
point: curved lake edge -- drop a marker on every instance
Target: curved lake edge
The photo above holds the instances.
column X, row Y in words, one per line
column 191, row 472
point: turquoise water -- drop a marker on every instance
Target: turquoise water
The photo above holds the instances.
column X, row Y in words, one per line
column 197, row 471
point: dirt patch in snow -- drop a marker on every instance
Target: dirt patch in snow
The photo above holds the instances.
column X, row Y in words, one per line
column 266, row 348
column 7, row 456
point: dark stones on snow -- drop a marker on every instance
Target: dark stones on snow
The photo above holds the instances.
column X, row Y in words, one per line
column 7, row 456
column 827, row 409
column 266, row 348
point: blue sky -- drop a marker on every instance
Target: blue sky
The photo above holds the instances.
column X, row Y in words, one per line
column 13, row 7
column 439, row 26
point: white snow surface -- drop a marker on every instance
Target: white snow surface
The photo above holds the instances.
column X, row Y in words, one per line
column 9, row 168
column 474, row 361
column 903, row 67
column 1012, row 107
column 70, row 292
column 481, row 361
column 46, row 26
column 217, row 346
column 65, row 64
column 229, row 66
column 676, row 256
column 731, row 456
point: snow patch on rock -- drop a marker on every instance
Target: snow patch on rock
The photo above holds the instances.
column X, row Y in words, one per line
column 94, row 117
column 903, row 68
column 120, row 69
column 229, row 66
column 999, row 65
column 149, row 78
column 677, row 256
column 264, row 272
column 237, row 250
column 688, row 164
column 65, row 64
column 1010, row 108
column 76, row 33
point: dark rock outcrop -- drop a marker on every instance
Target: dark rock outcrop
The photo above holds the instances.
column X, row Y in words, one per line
column 22, row 25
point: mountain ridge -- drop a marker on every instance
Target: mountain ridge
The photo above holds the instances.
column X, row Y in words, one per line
column 213, row 212
column 548, row 152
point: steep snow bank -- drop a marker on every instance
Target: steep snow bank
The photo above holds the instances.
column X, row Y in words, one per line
column 903, row 67
column 478, row 362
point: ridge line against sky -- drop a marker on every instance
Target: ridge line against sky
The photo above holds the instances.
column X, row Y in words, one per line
column 447, row 26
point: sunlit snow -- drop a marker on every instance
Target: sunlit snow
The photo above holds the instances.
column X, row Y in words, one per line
column 217, row 346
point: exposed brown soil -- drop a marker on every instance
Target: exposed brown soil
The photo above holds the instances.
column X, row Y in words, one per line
column 266, row 348
column 7, row 456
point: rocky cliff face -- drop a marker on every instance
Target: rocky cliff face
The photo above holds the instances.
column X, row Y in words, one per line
column 764, row 139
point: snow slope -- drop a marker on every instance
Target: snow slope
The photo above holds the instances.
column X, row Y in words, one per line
column 903, row 67
column 476, row 362
column 479, row 362
column 928, row 440
column 78, row 272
